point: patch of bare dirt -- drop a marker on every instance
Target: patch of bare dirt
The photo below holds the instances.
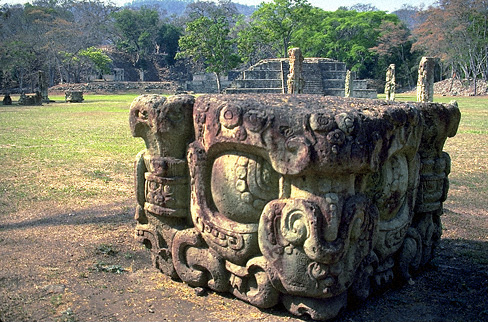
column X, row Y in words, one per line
column 83, row 265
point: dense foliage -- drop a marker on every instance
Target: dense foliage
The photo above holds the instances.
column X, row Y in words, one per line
column 71, row 40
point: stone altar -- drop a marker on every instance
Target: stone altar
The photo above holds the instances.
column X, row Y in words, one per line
column 309, row 201
column 73, row 96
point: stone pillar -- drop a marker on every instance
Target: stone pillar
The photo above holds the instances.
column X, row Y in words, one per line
column 390, row 83
column 43, row 87
column 425, row 82
column 295, row 77
column 349, row 84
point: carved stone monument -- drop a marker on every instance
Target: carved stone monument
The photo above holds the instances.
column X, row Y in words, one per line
column 43, row 87
column 425, row 82
column 30, row 99
column 7, row 100
column 74, row 96
column 295, row 80
column 304, row 200
column 390, row 83
column 348, row 85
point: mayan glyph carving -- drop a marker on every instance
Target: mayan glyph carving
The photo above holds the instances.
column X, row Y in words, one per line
column 306, row 200
column 425, row 81
column 295, row 81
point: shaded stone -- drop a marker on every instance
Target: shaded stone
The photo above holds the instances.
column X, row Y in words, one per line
column 43, row 87
column 304, row 200
column 7, row 100
column 30, row 99
column 74, row 96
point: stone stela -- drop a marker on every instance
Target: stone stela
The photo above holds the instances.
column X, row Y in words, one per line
column 425, row 81
column 390, row 83
column 305, row 200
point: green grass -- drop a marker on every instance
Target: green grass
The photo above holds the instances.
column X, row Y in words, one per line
column 66, row 151
column 78, row 153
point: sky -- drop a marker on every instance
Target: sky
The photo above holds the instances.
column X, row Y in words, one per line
column 329, row 5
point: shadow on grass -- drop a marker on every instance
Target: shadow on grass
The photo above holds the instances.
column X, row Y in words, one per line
column 115, row 213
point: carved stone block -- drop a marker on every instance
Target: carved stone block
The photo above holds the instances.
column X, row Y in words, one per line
column 306, row 200
column 74, row 96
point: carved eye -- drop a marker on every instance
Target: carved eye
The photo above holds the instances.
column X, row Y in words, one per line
column 230, row 116
column 321, row 123
column 345, row 123
column 255, row 120
column 336, row 137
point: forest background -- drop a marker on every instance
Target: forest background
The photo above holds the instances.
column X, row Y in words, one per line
column 77, row 40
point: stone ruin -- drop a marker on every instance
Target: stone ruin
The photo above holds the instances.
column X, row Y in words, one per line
column 295, row 81
column 43, row 87
column 30, row 99
column 425, row 80
column 309, row 201
column 7, row 100
column 390, row 83
column 322, row 76
column 73, row 96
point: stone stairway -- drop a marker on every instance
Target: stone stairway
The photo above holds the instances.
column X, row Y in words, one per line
column 360, row 89
column 264, row 77
column 321, row 75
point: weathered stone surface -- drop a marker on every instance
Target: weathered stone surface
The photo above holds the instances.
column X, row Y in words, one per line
column 30, row 99
column 348, row 86
column 295, row 81
column 425, row 81
column 7, row 100
column 306, row 200
column 390, row 83
column 43, row 87
column 74, row 96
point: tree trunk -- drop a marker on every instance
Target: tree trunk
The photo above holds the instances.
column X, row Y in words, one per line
column 219, row 86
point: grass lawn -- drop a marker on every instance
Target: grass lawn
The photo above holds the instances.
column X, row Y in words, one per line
column 77, row 154
column 71, row 153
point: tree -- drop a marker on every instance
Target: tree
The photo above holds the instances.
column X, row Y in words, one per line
column 167, row 41
column 99, row 59
column 457, row 32
column 344, row 35
column 275, row 23
column 137, row 32
column 394, row 47
column 208, row 40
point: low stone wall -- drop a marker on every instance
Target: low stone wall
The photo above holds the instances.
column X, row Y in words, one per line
column 118, row 87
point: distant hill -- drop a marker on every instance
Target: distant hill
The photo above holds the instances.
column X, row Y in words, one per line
column 177, row 7
column 409, row 15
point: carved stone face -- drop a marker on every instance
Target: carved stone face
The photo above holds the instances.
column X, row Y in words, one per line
column 291, row 179
column 303, row 199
